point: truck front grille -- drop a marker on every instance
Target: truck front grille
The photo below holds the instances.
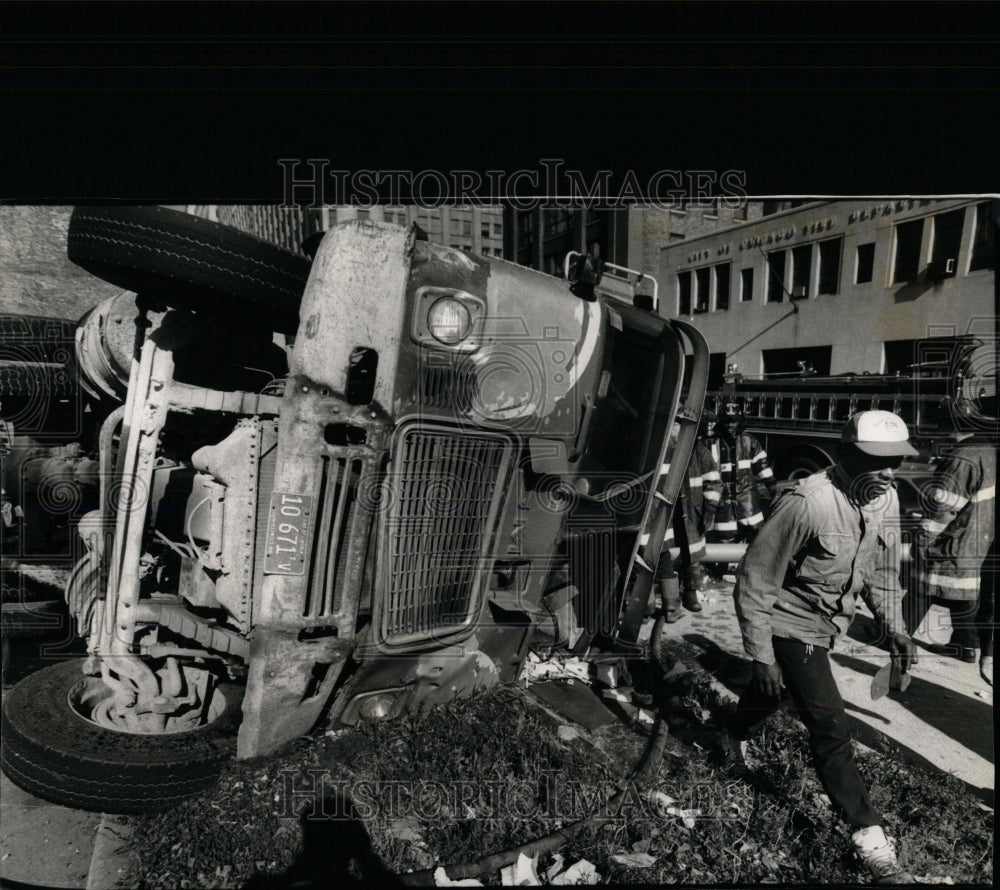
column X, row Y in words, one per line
column 448, row 383
column 339, row 483
column 444, row 492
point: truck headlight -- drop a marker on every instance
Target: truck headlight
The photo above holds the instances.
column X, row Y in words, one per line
column 449, row 321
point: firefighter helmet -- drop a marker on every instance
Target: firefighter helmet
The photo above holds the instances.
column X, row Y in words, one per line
column 731, row 418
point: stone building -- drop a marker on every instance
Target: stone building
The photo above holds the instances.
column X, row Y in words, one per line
column 843, row 286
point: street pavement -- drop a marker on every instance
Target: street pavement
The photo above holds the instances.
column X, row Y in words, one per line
column 944, row 720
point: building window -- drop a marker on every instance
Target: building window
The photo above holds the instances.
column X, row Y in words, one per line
column 716, row 370
column 703, row 286
column 776, row 276
column 801, row 271
column 746, row 285
column 947, row 236
column 675, row 236
column 484, row 230
column 497, row 229
column 722, row 287
column 900, row 356
column 982, row 240
column 683, row 293
column 908, row 238
column 865, row 263
column 829, row 266
column 799, row 361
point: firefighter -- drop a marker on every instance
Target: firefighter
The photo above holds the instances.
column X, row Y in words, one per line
column 742, row 463
column 829, row 539
column 697, row 500
column 955, row 536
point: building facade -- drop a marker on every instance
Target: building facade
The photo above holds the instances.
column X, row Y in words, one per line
column 836, row 286
column 633, row 237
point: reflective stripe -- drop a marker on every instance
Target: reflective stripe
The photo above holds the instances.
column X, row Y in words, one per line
column 756, row 519
column 766, row 473
column 984, row 494
column 644, row 540
column 713, row 496
column 696, row 546
column 932, row 527
column 761, row 455
column 695, row 481
column 712, row 476
column 725, row 467
column 725, row 526
column 955, row 583
column 743, row 464
column 950, row 500
column 665, row 469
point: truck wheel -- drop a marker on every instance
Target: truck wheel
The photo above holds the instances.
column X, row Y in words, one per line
column 801, row 465
column 52, row 751
column 189, row 262
column 37, row 357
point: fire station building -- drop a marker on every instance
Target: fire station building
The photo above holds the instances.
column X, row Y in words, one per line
column 835, row 286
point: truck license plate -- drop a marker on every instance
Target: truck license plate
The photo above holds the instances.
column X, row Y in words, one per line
column 287, row 533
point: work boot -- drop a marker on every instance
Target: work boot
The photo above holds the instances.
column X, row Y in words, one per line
column 690, row 598
column 671, row 600
column 878, row 856
column 986, row 668
column 968, row 655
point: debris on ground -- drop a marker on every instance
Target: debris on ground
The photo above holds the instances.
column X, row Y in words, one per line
column 441, row 879
column 537, row 669
column 635, row 860
column 523, row 873
column 582, row 872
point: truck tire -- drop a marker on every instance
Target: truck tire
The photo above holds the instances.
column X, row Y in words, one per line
column 56, row 754
column 798, row 466
column 36, row 338
column 37, row 357
column 189, row 262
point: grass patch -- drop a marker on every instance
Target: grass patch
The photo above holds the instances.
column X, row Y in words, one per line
column 472, row 778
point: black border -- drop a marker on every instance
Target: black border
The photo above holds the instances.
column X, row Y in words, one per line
column 180, row 102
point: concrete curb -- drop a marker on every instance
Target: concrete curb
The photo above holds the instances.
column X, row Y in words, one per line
column 107, row 862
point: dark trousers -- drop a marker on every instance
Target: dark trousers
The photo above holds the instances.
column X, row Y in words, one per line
column 972, row 622
column 809, row 680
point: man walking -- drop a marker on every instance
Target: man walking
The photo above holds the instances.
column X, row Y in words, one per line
column 833, row 536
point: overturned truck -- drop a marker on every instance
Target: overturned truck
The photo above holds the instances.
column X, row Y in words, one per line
column 341, row 490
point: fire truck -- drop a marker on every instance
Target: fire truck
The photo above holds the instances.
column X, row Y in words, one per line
column 951, row 387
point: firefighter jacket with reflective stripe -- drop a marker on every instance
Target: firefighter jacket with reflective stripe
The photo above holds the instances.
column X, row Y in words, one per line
column 818, row 550
column 959, row 523
column 741, row 462
column 698, row 498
